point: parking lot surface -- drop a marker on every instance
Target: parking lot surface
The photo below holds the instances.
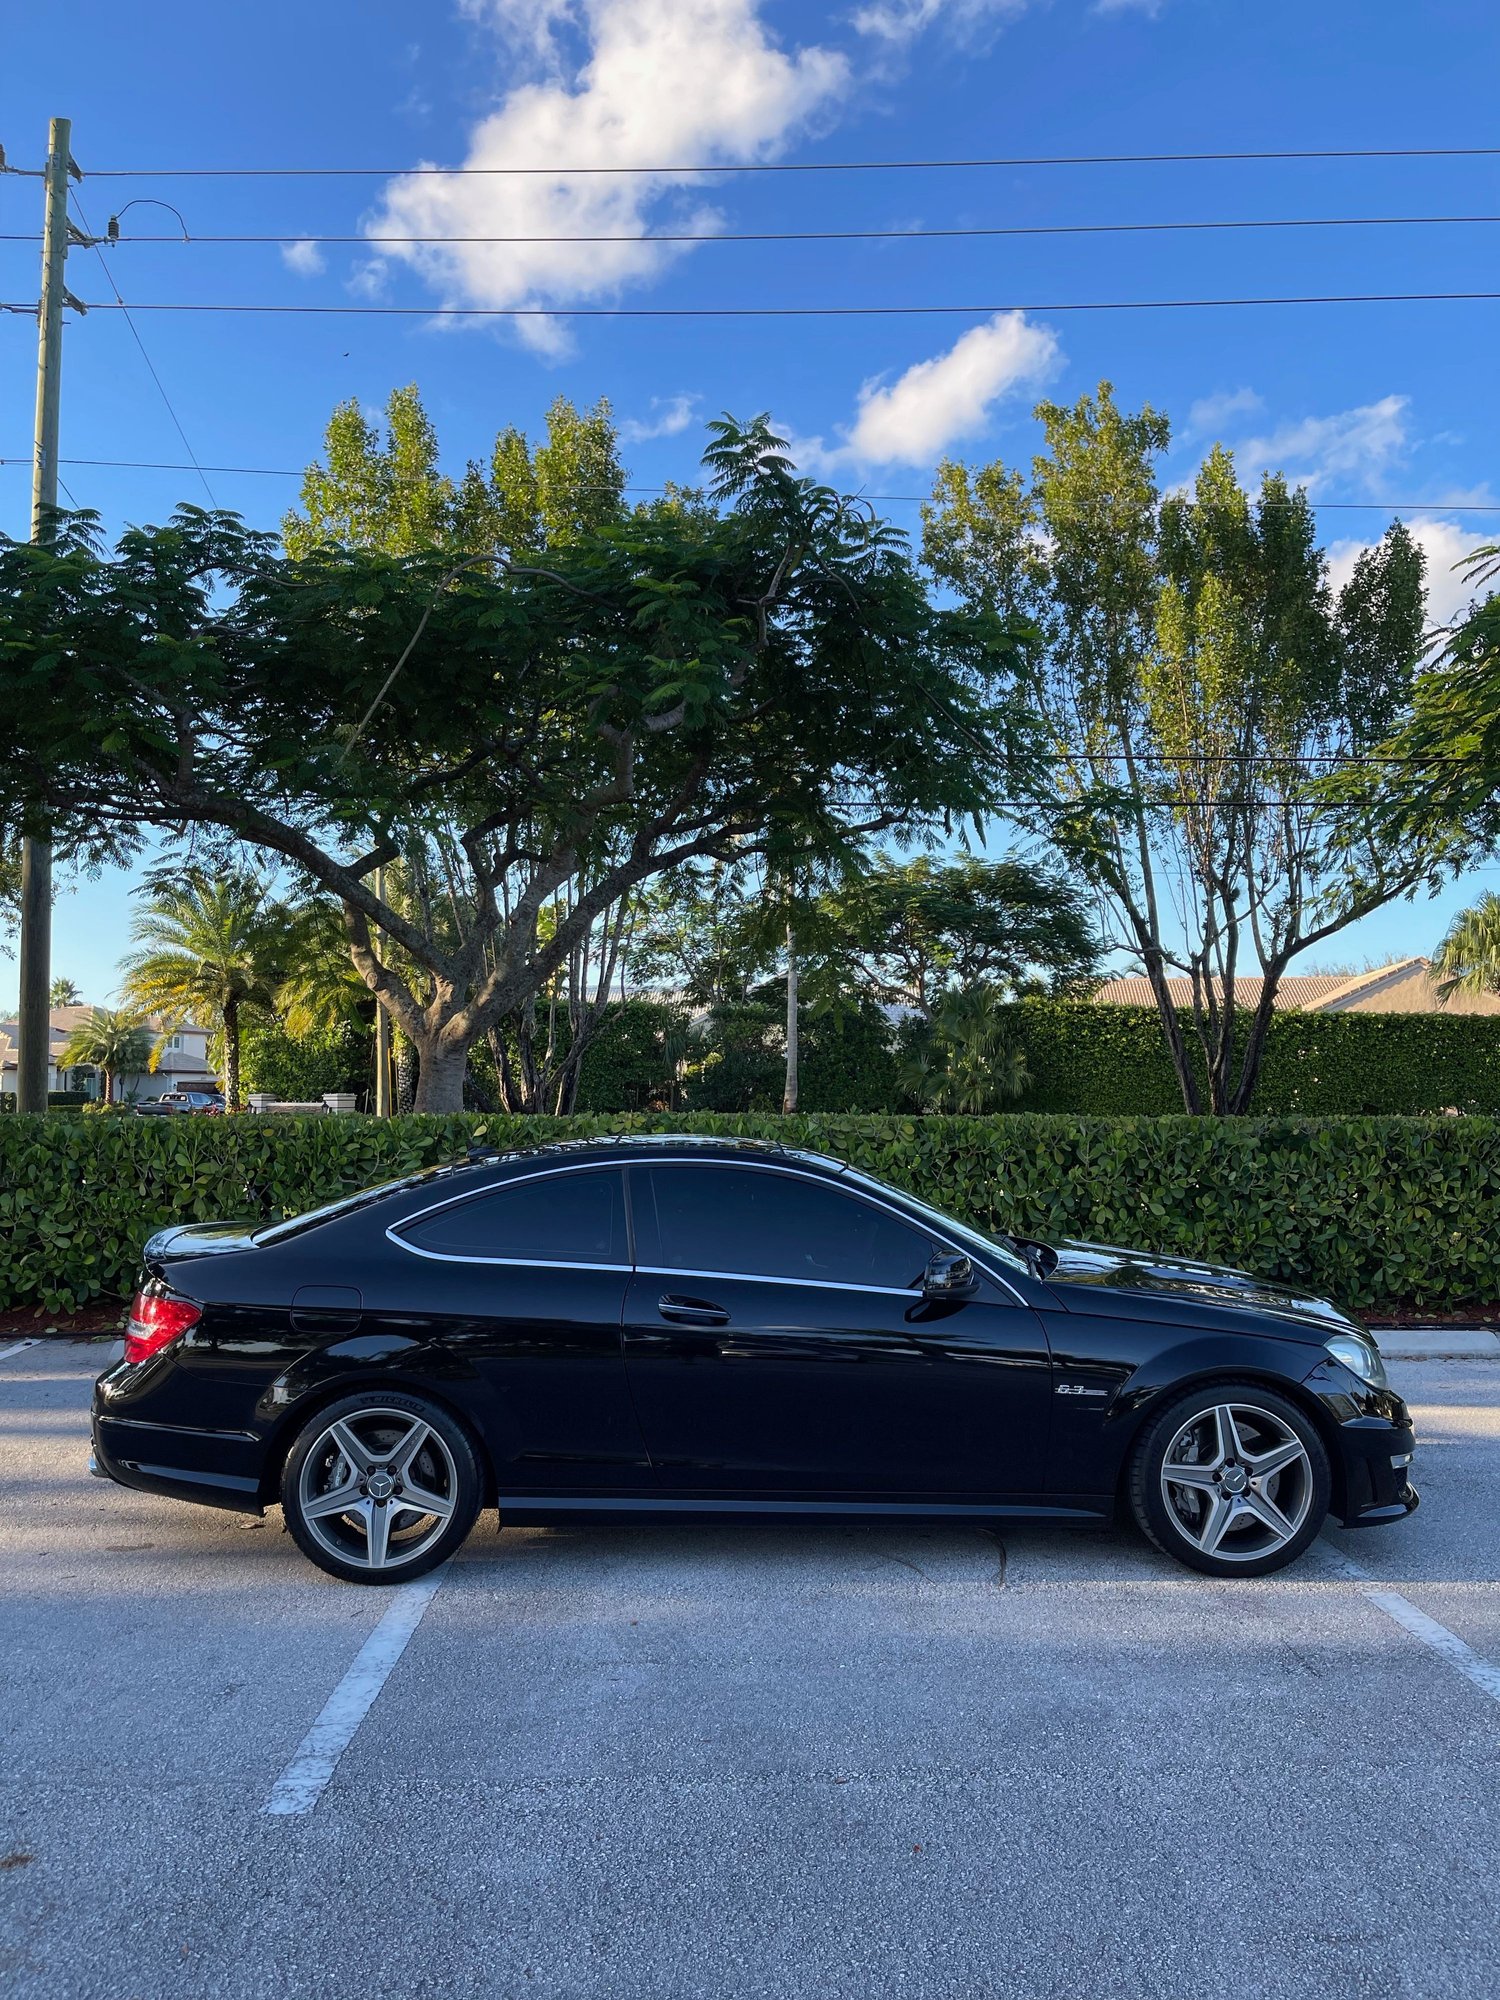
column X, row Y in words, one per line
column 745, row 1760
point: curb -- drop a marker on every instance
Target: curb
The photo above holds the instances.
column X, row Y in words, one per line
column 1437, row 1343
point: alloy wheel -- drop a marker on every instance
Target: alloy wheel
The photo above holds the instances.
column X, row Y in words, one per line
column 1237, row 1482
column 378, row 1488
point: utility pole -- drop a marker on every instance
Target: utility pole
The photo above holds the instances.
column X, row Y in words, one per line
column 33, row 1025
column 382, row 1034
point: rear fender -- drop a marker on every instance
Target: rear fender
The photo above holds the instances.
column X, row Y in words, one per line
column 382, row 1361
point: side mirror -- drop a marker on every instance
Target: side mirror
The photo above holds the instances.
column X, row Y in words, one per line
column 949, row 1277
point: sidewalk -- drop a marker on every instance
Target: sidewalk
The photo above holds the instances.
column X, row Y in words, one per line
column 1437, row 1343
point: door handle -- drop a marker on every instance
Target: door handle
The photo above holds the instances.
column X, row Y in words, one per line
column 691, row 1312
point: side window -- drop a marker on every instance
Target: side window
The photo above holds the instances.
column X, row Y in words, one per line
column 556, row 1219
column 765, row 1224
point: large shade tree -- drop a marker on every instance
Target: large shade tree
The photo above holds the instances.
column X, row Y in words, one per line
column 691, row 683
column 1199, row 680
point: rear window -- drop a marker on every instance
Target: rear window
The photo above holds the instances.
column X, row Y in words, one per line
column 569, row 1218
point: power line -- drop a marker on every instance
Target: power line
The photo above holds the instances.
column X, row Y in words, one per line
column 289, row 472
column 559, row 173
column 287, row 237
column 779, row 312
column 161, row 387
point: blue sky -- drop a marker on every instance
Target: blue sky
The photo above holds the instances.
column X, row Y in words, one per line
column 1375, row 403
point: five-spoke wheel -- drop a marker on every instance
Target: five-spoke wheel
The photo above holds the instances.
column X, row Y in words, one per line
column 1232, row 1479
column 379, row 1488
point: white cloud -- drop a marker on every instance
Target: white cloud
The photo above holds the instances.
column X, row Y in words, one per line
column 904, row 20
column 303, row 257
column 669, row 416
column 660, row 81
column 914, row 419
column 1357, row 445
column 1445, row 544
column 1209, row 413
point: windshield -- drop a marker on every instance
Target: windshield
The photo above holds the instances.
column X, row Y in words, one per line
column 997, row 1248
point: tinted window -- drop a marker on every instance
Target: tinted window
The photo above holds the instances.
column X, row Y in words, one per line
column 559, row 1219
column 775, row 1225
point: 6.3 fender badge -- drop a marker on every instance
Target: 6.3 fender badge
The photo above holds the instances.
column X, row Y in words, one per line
column 1078, row 1389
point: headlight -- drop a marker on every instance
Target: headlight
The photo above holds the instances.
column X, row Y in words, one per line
column 1360, row 1356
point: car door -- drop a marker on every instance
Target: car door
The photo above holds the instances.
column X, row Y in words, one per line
column 777, row 1340
column 527, row 1281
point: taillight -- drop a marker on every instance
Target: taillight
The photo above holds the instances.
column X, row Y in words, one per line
column 156, row 1320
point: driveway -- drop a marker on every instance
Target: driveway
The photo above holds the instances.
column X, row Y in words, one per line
column 742, row 1760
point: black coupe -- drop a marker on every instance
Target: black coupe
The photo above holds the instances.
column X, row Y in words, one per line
column 670, row 1326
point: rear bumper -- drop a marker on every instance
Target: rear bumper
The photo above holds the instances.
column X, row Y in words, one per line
column 1377, row 1473
column 215, row 1468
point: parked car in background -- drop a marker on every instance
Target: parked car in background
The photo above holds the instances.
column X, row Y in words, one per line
column 191, row 1098
column 157, row 1107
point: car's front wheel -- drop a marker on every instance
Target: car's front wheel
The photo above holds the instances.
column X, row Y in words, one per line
column 380, row 1487
column 1232, row 1479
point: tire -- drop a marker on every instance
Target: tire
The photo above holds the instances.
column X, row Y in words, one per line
column 1231, row 1479
column 399, row 1445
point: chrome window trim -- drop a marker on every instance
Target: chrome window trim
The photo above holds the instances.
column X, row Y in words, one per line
column 393, row 1231
column 519, row 1263
column 850, row 1189
column 754, row 1278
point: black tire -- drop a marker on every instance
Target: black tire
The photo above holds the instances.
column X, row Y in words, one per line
column 382, row 1537
column 1264, row 1427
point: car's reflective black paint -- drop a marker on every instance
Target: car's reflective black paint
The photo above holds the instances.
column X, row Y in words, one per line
column 608, row 1341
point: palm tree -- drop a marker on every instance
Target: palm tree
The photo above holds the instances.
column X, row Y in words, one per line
column 63, row 993
column 210, row 944
column 1468, row 959
column 318, row 985
column 114, row 1044
column 963, row 1059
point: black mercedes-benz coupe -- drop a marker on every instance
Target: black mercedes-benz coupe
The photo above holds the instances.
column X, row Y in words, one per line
column 671, row 1326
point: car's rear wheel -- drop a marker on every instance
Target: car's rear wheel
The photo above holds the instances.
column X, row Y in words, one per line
column 1232, row 1479
column 380, row 1487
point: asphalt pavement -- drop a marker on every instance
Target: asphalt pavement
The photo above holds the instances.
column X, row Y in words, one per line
column 743, row 1760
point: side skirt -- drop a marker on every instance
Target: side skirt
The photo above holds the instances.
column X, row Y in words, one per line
column 533, row 1510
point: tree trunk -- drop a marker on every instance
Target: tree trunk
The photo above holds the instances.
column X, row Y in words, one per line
column 109, row 1086
column 440, row 1082
column 406, row 1075
column 789, row 1095
column 231, row 1054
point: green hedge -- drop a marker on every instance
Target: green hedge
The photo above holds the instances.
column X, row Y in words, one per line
column 1112, row 1062
column 1369, row 1211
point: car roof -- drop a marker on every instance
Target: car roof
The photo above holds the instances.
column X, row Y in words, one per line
column 653, row 1145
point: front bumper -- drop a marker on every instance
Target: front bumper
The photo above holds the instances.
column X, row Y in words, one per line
column 1377, row 1473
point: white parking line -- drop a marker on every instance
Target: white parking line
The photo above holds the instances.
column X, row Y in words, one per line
column 302, row 1783
column 19, row 1348
column 1447, row 1645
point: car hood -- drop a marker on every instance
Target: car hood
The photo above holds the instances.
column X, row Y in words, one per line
column 1094, row 1272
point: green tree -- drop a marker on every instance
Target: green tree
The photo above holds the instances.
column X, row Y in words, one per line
column 1197, row 678
column 914, row 930
column 374, row 493
column 1468, row 959
column 63, row 993
column 114, row 1043
column 677, row 686
column 208, row 945
column 962, row 1059
column 1440, row 783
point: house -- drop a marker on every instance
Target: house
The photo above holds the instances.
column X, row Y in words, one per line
column 1405, row 986
column 184, row 1059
